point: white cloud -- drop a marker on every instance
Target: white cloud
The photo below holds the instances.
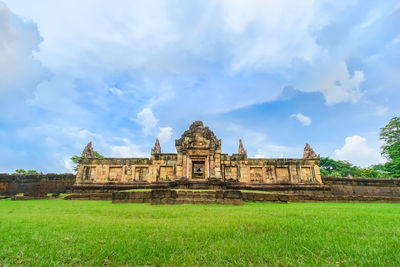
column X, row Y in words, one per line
column 128, row 149
column 164, row 135
column 20, row 72
column 116, row 91
column 147, row 120
column 357, row 151
column 338, row 85
column 261, row 154
column 258, row 43
column 56, row 136
column 305, row 120
column 68, row 164
column 276, row 151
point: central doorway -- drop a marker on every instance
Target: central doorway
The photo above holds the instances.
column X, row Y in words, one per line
column 198, row 170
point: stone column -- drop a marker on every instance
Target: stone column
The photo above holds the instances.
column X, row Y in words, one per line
column 188, row 173
column 264, row 175
column 107, row 173
column 184, row 166
column 317, row 174
column 208, row 166
column 123, row 173
column 290, row 173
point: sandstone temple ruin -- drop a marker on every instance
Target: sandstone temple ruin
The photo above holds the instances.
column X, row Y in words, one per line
column 199, row 158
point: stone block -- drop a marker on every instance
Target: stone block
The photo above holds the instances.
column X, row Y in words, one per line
column 174, row 194
column 219, row 194
column 160, row 193
column 233, row 201
column 181, row 194
column 259, row 197
column 234, row 194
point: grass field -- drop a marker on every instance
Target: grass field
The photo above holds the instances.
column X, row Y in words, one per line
column 57, row 232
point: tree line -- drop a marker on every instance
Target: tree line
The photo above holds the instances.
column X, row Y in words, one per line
column 390, row 135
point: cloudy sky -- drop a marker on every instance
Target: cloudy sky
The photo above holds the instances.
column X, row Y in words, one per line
column 277, row 74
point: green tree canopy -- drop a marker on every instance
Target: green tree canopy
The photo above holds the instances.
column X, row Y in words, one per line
column 28, row 172
column 390, row 134
column 342, row 168
column 76, row 159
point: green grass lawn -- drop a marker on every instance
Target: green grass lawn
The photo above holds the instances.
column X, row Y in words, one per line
column 57, row 232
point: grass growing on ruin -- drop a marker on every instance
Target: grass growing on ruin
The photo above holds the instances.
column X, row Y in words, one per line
column 57, row 232
column 136, row 190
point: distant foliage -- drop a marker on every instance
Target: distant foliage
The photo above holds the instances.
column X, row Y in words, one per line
column 76, row 159
column 390, row 134
column 342, row 168
column 28, row 172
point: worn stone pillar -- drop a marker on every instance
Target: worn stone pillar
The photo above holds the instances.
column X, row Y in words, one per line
column 317, row 174
column 274, row 175
column 264, row 173
column 185, row 166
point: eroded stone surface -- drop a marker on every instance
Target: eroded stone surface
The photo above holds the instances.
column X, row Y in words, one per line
column 88, row 152
column 309, row 153
column 157, row 148
column 199, row 158
column 241, row 151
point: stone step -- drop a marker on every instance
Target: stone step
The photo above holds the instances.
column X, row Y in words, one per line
column 195, row 201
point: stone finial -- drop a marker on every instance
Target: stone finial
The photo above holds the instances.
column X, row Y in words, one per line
column 309, row 153
column 157, row 147
column 88, row 152
column 241, row 148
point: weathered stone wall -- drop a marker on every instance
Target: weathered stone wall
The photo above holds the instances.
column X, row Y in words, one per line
column 363, row 186
column 235, row 197
column 333, row 189
column 198, row 157
column 36, row 184
column 168, row 196
column 90, row 196
column 325, row 197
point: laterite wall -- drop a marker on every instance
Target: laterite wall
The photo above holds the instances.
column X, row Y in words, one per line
column 388, row 187
column 35, row 184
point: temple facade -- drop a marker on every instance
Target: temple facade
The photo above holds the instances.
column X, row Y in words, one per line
column 199, row 157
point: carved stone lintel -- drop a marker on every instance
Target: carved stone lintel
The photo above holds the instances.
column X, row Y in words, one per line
column 157, row 148
column 88, row 152
column 309, row 153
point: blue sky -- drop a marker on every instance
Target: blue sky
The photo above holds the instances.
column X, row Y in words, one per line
column 277, row 74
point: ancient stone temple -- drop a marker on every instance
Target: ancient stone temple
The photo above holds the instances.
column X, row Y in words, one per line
column 199, row 157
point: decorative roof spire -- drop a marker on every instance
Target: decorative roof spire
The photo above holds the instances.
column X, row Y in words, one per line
column 157, row 147
column 88, row 152
column 309, row 153
column 242, row 151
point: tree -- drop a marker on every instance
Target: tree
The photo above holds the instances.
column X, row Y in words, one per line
column 338, row 168
column 76, row 159
column 390, row 134
column 341, row 168
column 22, row 171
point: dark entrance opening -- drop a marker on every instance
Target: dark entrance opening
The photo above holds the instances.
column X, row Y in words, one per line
column 198, row 170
